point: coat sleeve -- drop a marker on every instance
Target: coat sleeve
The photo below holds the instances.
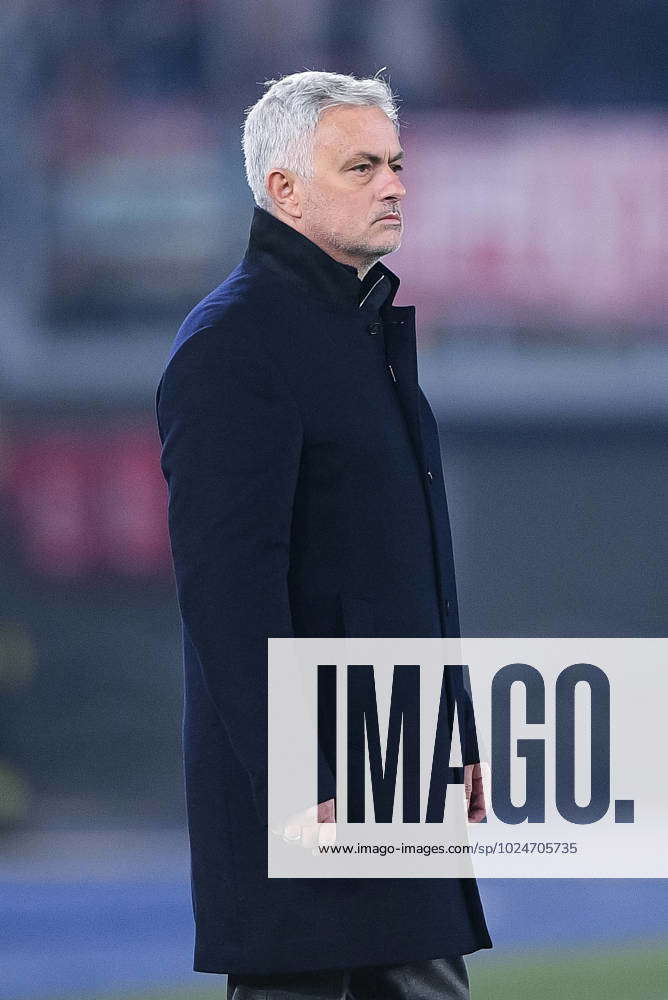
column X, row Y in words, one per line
column 231, row 441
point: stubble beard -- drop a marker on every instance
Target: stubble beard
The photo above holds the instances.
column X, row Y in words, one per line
column 363, row 254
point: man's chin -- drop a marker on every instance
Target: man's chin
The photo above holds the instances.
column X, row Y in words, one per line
column 388, row 248
column 386, row 242
column 373, row 249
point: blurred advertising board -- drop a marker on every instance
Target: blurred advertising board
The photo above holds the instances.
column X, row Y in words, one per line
column 87, row 503
column 550, row 221
column 543, row 220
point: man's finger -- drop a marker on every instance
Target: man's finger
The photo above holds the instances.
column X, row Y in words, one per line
column 326, row 837
column 327, row 811
column 477, row 809
column 310, row 836
column 292, row 834
column 468, row 783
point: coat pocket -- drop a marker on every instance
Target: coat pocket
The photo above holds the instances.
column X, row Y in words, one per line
column 357, row 617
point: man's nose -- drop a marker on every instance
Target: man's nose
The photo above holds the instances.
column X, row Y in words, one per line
column 392, row 186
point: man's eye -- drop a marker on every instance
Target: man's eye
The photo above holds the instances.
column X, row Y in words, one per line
column 362, row 166
column 397, row 166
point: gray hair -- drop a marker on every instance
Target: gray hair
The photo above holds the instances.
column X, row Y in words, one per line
column 279, row 130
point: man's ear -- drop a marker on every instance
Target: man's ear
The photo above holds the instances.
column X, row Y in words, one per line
column 284, row 190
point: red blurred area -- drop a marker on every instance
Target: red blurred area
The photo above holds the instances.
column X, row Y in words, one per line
column 88, row 503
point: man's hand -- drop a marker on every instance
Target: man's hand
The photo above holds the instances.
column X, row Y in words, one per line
column 314, row 827
column 475, row 795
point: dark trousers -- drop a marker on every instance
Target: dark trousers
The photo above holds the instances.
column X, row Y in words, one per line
column 437, row 979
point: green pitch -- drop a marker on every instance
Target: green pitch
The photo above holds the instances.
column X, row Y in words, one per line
column 622, row 974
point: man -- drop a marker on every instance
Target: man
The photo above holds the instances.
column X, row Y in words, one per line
column 306, row 498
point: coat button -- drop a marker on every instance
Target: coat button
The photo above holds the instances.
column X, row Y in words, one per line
column 374, row 328
column 429, row 475
column 447, row 606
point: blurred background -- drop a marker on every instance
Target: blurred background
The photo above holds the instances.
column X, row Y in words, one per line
column 535, row 251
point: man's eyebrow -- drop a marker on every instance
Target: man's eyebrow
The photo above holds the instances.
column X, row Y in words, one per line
column 373, row 158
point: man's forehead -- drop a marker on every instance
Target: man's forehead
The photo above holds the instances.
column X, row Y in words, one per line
column 351, row 130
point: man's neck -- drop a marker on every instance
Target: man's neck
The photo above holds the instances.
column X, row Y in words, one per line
column 363, row 269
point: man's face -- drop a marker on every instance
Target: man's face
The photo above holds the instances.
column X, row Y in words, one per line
column 352, row 205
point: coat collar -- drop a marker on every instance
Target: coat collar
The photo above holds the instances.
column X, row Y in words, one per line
column 298, row 259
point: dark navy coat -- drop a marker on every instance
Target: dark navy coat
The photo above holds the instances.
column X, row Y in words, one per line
column 306, row 498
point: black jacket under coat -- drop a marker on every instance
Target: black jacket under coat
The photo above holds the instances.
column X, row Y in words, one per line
column 306, row 498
